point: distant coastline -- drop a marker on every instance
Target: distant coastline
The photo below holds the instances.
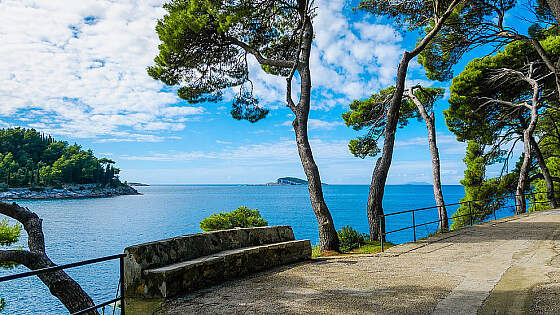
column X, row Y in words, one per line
column 68, row 192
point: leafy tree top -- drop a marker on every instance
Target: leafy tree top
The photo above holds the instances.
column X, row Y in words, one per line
column 474, row 112
column 371, row 114
column 241, row 217
column 205, row 44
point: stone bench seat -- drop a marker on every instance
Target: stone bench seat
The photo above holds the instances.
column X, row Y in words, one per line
column 190, row 275
column 183, row 264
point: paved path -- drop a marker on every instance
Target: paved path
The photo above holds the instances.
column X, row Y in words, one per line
column 509, row 266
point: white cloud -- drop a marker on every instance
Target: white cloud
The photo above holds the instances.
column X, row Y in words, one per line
column 82, row 66
column 265, row 161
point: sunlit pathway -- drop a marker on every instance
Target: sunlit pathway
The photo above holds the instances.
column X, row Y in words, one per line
column 509, row 266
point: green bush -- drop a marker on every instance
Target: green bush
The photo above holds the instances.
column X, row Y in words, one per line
column 241, row 217
column 350, row 239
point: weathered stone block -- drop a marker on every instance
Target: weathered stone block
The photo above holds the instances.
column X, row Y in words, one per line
column 182, row 264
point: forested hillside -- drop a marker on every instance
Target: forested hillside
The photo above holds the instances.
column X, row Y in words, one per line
column 28, row 159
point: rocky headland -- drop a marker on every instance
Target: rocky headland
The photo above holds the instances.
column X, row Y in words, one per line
column 77, row 191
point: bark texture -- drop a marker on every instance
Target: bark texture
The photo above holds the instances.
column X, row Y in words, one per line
column 555, row 8
column 527, row 135
column 68, row 291
column 327, row 232
column 546, row 174
column 430, row 121
column 379, row 178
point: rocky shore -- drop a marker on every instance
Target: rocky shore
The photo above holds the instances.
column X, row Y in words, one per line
column 79, row 191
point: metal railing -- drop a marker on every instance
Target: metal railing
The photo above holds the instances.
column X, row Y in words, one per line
column 469, row 214
column 120, row 298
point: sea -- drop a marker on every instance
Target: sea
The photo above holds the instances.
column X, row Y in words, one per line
column 81, row 229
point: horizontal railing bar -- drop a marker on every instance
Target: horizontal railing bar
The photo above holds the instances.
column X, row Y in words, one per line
column 408, row 227
column 458, row 203
column 55, row 268
column 97, row 306
column 428, row 223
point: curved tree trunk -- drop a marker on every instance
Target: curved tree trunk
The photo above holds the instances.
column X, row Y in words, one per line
column 379, row 178
column 327, row 232
column 546, row 174
column 436, row 173
column 555, row 8
column 68, row 291
column 524, row 172
column 430, row 120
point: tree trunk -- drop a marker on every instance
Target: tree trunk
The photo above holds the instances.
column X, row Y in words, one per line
column 430, row 120
column 554, row 6
column 546, row 174
column 327, row 232
column 436, row 173
column 68, row 291
column 377, row 188
column 524, row 172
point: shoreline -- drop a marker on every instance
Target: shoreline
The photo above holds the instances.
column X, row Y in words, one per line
column 69, row 192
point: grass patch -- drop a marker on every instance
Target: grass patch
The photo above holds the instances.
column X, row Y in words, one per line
column 371, row 247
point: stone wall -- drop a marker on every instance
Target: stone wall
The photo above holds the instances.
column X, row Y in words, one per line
column 142, row 277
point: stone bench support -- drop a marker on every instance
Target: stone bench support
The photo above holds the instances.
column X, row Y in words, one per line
column 183, row 264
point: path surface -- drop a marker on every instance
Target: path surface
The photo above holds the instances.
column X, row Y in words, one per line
column 509, row 266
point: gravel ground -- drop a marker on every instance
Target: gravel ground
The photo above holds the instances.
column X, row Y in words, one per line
column 509, row 266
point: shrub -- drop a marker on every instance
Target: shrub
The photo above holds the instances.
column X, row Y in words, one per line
column 350, row 239
column 241, row 217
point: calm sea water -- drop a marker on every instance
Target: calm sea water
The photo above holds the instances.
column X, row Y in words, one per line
column 88, row 228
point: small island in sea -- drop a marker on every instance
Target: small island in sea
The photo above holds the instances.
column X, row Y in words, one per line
column 36, row 166
column 288, row 181
column 418, row 183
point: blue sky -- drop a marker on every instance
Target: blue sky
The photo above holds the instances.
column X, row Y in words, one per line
column 76, row 70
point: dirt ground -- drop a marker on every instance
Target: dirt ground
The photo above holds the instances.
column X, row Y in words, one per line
column 509, row 266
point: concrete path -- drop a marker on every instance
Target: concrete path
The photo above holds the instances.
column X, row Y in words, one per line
column 509, row 266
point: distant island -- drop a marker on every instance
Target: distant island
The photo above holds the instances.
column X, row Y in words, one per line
column 36, row 166
column 138, row 184
column 289, row 181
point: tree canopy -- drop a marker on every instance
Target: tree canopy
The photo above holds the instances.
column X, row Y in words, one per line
column 205, row 47
column 371, row 114
column 28, row 158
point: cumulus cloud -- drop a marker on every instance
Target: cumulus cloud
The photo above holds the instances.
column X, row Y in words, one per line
column 79, row 69
column 349, row 60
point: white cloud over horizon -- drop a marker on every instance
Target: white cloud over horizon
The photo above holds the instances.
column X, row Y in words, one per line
column 78, row 69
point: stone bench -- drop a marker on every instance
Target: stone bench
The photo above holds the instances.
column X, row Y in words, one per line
column 183, row 264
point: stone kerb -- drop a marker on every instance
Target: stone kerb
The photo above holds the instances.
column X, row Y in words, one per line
column 149, row 256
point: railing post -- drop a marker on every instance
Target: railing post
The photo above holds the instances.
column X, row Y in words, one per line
column 381, row 234
column 121, row 277
column 413, row 226
column 470, row 212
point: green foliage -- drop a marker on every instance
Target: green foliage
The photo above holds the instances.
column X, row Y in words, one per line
column 466, row 28
column 371, row 114
column 202, row 49
column 350, row 239
column 9, row 234
column 481, row 194
column 2, row 304
column 241, row 217
column 29, row 159
column 548, row 130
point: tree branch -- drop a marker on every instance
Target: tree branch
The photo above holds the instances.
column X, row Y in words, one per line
column 260, row 58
